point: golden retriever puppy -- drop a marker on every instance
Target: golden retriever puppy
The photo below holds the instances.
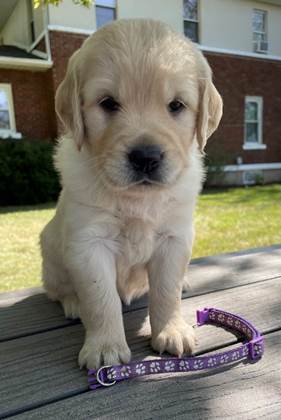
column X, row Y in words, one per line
column 138, row 105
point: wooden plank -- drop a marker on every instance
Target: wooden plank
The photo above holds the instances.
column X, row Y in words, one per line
column 42, row 367
column 27, row 312
column 30, row 315
column 9, row 298
column 241, row 392
column 232, row 270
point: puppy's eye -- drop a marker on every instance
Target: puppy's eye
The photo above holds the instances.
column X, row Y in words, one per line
column 175, row 106
column 109, row 104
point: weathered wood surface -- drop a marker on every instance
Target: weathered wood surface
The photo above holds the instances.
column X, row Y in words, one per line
column 242, row 392
column 39, row 376
column 29, row 311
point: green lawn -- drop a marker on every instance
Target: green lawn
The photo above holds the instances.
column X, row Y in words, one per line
column 225, row 221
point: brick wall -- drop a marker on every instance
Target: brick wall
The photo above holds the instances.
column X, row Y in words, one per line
column 63, row 45
column 33, row 102
column 41, row 46
column 236, row 77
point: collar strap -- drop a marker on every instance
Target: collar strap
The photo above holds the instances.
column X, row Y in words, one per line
column 251, row 350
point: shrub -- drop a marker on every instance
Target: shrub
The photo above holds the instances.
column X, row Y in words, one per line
column 27, row 175
column 214, row 170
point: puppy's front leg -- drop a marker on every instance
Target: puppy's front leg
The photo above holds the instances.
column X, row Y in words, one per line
column 166, row 270
column 94, row 275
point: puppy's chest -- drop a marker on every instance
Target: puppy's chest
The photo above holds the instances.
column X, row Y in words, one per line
column 137, row 242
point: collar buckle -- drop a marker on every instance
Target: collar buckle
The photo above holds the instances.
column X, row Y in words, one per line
column 202, row 316
column 100, row 377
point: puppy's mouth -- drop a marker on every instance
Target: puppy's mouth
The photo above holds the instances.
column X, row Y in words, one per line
column 146, row 181
column 134, row 183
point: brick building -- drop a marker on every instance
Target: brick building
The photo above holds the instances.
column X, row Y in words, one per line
column 240, row 38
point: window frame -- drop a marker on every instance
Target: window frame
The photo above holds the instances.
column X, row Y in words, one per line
column 104, row 6
column 7, row 88
column 193, row 21
column 259, row 144
column 265, row 32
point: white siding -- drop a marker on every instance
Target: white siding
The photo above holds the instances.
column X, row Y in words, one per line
column 72, row 15
column 274, row 30
column 169, row 11
column 228, row 24
column 225, row 24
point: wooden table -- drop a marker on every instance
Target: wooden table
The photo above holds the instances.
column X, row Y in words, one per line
column 40, row 379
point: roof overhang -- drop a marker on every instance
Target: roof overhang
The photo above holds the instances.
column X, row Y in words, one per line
column 31, row 64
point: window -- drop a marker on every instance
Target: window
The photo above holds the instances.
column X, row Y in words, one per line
column 259, row 25
column 7, row 119
column 190, row 19
column 253, row 123
column 105, row 12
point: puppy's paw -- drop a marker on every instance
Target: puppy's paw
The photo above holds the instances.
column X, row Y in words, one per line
column 175, row 338
column 70, row 304
column 97, row 351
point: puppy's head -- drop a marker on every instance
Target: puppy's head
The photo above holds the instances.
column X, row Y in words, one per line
column 138, row 95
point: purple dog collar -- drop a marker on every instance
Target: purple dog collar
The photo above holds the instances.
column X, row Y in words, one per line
column 252, row 350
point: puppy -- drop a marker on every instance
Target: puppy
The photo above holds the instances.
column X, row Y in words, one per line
column 138, row 105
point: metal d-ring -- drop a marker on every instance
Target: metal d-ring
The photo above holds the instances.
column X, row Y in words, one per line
column 100, row 381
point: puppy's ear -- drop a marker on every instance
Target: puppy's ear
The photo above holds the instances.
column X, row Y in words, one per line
column 68, row 102
column 210, row 112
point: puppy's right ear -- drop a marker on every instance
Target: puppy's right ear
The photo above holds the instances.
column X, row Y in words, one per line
column 68, row 102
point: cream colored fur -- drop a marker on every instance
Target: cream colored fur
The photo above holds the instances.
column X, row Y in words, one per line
column 111, row 238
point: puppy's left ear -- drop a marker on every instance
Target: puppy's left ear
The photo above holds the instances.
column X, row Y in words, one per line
column 210, row 112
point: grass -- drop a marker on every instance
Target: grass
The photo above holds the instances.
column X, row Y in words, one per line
column 226, row 221
column 19, row 252
column 237, row 219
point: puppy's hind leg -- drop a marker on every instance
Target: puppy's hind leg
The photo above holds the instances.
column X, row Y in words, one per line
column 59, row 289
column 71, row 307
column 55, row 277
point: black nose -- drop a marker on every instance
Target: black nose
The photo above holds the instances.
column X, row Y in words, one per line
column 146, row 158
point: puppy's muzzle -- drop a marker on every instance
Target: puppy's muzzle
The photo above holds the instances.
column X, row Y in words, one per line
column 146, row 161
